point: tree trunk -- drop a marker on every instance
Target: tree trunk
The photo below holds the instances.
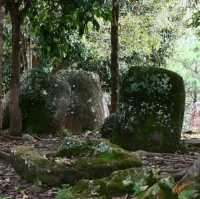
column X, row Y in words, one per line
column 29, row 54
column 195, row 85
column 23, row 54
column 1, row 61
column 114, row 56
column 15, row 112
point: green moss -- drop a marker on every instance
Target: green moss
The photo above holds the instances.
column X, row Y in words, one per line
column 36, row 101
column 97, row 157
column 117, row 184
column 50, row 102
column 138, row 183
column 30, row 164
column 74, row 146
column 151, row 111
column 105, row 159
column 105, row 164
column 79, row 146
column 87, row 189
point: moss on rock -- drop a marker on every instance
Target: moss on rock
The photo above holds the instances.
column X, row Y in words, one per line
column 97, row 157
column 138, row 183
column 33, row 166
column 74, row 146
column 117, row 184
column 104, row 164
column 151, row 111
column 69, row 99
column 103, row 160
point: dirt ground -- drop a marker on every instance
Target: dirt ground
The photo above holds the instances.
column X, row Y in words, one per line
column 13, row 187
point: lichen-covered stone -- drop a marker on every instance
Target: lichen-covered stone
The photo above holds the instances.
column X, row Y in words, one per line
column 117, row 184
column 74, row 146
column 151, row 111
column 88, row 108
column 100, row 162
column 97, row 157
column 137, row 183
column 35, row 167
column 66, row 100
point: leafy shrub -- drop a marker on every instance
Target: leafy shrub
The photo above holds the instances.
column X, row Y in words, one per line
column 36, row 101
column 64, row 193
column 151, row 186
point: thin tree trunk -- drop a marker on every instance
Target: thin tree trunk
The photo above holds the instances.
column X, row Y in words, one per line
column 29, row 54
column 195, row 85
column 1, row 61
column 15, row 112
column 114, row 56
column 23, row 53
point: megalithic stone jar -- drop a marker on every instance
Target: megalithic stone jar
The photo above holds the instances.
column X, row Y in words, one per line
column 151, row 111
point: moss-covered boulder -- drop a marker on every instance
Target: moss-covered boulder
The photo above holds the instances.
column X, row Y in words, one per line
column 66, row 100
column 119, row 183
column 35, row 167
column 99, row 161
column 74, row 146
column 136, row 183
column 87, row 109
column 151, row 111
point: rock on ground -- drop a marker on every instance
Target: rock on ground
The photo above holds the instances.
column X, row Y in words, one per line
column 151, row 111
column 66, row 100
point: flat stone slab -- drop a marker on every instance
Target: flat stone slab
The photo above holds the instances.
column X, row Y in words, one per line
column 72, row 162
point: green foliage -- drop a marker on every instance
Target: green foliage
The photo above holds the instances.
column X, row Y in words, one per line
column 36, row 101
column 139, row 184
column 185, row 61
column 163, row 189
column 53, row 27
column 75, row 147
column 33, row 166
column 7, row 45
column 147, row 32
column 149, row 179
column 192, row 192
column 64, row 193
column 144, row 40
column 84, row 56
column 35, row 91
column 52, row 23
column 195, row 18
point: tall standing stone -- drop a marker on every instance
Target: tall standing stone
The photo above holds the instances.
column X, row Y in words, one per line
column 151, row 110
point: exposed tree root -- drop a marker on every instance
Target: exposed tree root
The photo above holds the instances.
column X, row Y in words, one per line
column 191, row 175
column 5, row 156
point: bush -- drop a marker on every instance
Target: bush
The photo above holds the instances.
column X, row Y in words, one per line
column 64, row 193
column 36, row 100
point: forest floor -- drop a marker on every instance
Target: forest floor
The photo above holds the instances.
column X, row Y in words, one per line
column 13, row 187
